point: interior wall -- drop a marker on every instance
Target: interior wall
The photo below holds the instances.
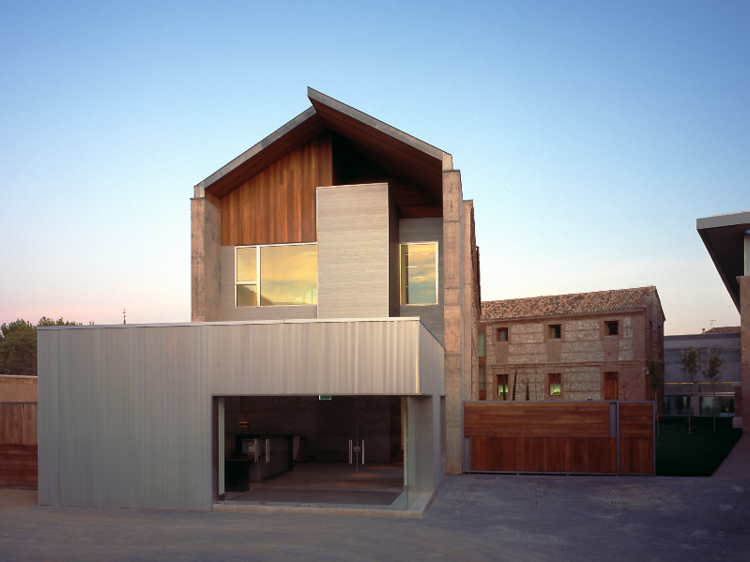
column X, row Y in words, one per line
column 324, row 426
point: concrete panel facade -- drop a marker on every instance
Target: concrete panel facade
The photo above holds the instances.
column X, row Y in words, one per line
column 205, row 261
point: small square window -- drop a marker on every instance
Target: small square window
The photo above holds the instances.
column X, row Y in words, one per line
column 502, row 334
column 555, row 384
column 612, row 328
column 555, row 331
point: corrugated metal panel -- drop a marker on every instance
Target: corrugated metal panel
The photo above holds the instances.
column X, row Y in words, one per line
column 426, row 230
column 251, row 313
column 125, row 411
column 353, row 239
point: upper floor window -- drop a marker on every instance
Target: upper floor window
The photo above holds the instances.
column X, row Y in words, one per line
column 612, row 328
column 481, row 345
column 419, row 275
column 276, row 275
column 502, row 334
column 555, row 331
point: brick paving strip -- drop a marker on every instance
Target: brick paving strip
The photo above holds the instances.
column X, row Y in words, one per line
column 473, row 517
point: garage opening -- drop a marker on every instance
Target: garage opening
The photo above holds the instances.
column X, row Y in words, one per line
column 313, row 451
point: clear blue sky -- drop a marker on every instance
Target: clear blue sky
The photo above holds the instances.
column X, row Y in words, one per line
column 590, row 136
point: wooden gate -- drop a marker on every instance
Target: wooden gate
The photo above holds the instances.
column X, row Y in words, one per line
column 18, row 444
column 560, row 437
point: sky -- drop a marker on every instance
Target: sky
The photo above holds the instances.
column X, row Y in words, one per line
column 590, row 136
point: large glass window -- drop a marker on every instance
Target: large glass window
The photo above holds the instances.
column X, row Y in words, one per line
column 419, row 273
column 280, row 275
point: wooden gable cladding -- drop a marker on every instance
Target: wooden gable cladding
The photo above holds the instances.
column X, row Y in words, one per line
column 277, row 206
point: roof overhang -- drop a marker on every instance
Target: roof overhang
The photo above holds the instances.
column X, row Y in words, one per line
column 726, row 242
column 407, row 157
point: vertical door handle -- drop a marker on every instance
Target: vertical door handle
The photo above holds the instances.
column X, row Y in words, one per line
column 350, row 451
column 268, row 450
column 255, row 449
column 363, row 451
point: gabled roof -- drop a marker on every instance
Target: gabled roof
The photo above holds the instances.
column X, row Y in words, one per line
column 602, row 302
column 419, row 164
column 724, row 237
column 724, row 330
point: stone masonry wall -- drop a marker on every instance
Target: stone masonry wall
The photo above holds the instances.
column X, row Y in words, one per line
column 582, row 356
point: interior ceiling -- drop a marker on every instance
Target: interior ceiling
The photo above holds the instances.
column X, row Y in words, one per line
column 408, row 165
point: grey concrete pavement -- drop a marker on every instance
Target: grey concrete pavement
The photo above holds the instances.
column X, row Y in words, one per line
column 737, row 463
column 473, row 517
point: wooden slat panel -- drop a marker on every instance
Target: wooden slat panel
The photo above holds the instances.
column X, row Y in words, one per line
column 19, row 465
column 11, row 424
column 636, row 420
column 18, row 424
column 544, row 454
column 277, row 206
column 636, row 456
column 29, row 429
column 536, row 419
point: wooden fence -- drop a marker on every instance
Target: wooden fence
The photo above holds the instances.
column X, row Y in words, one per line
column 560, row 437
column 18, row 444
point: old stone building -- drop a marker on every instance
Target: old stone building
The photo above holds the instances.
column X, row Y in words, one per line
column 584, row 346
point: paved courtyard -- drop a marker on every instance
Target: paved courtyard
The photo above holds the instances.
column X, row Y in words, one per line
column 473, row 517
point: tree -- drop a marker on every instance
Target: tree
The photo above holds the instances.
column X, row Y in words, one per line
column 655, row 378
column 18, row 348
column 690, row 367
column 712, row 373
column 18, row 354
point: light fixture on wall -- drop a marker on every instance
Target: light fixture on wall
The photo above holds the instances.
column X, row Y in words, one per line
column 243, row 422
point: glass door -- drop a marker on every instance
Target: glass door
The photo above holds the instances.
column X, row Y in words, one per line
column 380, row 470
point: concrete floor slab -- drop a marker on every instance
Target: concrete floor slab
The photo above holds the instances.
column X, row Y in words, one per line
column 472, row 517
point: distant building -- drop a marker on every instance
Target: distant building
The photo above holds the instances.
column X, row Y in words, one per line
column 677, row 390
column 727, row 239
column 584, row 346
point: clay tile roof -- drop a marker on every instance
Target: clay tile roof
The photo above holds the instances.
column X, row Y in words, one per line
column 566, row 305
column 724, row 330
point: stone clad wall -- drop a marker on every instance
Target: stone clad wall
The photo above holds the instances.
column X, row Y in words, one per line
column 582, row 355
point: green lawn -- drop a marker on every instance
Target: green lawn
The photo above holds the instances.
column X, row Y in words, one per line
column 698, row 454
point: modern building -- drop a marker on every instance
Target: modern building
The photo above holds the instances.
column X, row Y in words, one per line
column 333, row 339
column 708, row 399
column 583, row 346
column 727, row 239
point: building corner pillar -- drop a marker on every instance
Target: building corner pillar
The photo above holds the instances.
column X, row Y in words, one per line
column 205, row 263
column 745, row 343
column 453, row 273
